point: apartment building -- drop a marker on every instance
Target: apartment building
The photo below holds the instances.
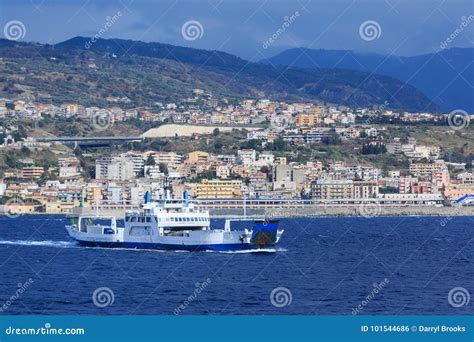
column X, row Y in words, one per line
column 405, row 184
column 332, row 189
column 168, row 158
column 365, row 189
column 305, row 119
column 216, row 188
column 246, row 157
column 427, row 169
column 114, row 168
column 33, row 172
column 198, row 157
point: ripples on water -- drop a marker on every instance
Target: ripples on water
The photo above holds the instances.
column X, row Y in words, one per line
column 328, row 266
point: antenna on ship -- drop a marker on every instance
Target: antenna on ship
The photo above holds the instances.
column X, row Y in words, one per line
column 167, row 189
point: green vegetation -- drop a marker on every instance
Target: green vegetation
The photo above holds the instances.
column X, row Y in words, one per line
column 149, row 73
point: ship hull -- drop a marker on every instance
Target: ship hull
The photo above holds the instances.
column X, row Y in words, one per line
column 263, row 236
column 175, row 247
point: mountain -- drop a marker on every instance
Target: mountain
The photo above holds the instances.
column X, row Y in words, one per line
column 446, row 77
column 87, row 72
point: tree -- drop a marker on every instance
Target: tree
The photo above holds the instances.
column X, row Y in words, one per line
column 150, row 161
column 77, row 151
column 11, row 161
column 280, row 144
column 332, row 139
column 388, row 190
column 25, row 151
column 163, row 168
column 215, row 132
column 252, row 144
column 218, row 146
column 17, row 136
column 374, row 148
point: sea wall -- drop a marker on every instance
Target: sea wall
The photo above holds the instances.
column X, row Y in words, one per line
column 316, row 211
column 312, row 211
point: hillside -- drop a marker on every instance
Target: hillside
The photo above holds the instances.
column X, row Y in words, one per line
column 150, row 72
column 446, row 77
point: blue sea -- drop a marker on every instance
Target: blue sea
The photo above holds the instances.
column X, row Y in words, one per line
column 323, row 266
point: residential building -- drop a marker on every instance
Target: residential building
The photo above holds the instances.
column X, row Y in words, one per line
column 216, row 188
column 332, row 189
column 365, row 189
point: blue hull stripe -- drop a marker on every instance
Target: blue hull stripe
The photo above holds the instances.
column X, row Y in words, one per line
column 137, row 245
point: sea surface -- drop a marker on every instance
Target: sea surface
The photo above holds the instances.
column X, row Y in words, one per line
column 323, row 266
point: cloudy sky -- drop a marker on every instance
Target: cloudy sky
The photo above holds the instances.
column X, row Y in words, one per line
column 244, row 27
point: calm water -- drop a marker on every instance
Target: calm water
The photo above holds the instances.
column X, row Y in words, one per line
column 329, row 266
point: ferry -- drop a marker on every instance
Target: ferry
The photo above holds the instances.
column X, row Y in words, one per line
column 172, row 224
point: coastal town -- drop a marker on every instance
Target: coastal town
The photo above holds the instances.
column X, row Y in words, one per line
column 255, row 150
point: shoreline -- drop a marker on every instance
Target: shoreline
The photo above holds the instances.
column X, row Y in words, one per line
column 309, row 212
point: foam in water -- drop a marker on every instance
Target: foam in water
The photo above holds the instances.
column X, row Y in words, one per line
column 71, row 244
column 46, row 243
column 249, row 251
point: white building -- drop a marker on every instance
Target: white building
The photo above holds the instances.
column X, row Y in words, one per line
column 246, row 157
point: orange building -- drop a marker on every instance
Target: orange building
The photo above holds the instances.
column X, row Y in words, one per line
column 304, row 119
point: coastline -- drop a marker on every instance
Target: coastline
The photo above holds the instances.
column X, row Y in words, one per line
column 310, row 211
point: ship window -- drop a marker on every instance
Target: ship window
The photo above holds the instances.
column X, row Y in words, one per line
column 134, row 219
column 127, row 218
column 148, row 219
column 180, row 219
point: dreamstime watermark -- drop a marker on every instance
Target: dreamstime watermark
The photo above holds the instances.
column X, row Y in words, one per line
column 370, row 30
column 109, row 22
column 369, row 210
column 458, row 297
column 379, row 109
column 281, row 297
column 279, row 122
column 445, row 220
column 288, row 21
column 46, row 330
column 375, row 291
column 458, row 119
column 14, row 30
column 102, row 121
column 199, row 288
column 103, row 297
column 12, row 207
column 465, row 22
column 21, row 289
column 192, row 30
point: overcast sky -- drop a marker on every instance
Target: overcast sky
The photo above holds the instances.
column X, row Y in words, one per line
column 243, row 27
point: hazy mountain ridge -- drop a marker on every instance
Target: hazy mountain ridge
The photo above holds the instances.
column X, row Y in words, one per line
column 446, row 77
